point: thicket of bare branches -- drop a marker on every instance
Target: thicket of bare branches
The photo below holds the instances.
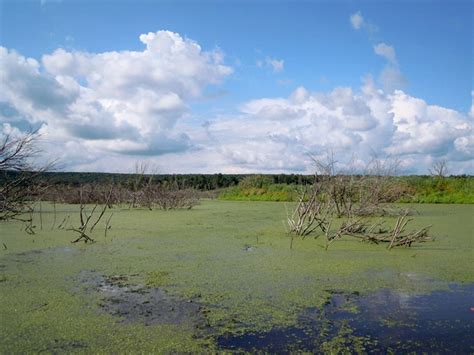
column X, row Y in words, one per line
column 439, row 169
column 94, row 199
column 147, row 195
column 89, row 220
column 144, row 192
column 21, row 186
column 355, row 192
column 338, row 205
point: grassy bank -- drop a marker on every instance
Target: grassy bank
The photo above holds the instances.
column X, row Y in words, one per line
column 410, row 189
column 233, row 257
column 273, row 192
column 439, row 190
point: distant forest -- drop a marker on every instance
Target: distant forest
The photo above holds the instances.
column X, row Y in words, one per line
column 196, row 181
column 262, row 187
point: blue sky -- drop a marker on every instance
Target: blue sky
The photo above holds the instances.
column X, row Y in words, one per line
column 271, row 48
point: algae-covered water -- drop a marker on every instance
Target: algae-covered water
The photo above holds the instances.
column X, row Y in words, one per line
column 222, row 277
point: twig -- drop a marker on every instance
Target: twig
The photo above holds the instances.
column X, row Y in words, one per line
column 107, row 226
column 54, row 218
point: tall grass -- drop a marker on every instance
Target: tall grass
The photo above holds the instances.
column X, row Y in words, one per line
column 413, row 189
column 273, row 192
column 453, row 189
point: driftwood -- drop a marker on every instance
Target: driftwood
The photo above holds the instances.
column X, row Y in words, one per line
column 375, row 233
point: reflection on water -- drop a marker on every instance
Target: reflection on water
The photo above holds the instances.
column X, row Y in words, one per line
column 441, row 321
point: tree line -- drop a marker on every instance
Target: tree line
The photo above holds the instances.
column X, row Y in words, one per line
column 185, row 181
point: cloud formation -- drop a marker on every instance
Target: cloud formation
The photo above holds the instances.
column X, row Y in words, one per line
column 391, row 77
column 358, row 22
column 275, row 134
column 276, row 65
column 126, row 102
column 105, row 111
column 386, row 51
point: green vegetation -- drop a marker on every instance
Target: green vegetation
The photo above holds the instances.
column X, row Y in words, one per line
column 277, row 187
column 232, row 257
column 157, row 278
column 405, row 189
column 273, row 192
column 454, row 189
column 259, row 188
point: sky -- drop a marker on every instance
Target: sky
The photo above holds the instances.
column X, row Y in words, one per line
column 240, row 86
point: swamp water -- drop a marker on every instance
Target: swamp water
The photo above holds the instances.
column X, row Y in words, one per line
column 382, row 321
column 388, row 320
column 221, row 277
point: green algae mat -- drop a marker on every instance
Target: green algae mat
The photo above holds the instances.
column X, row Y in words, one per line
column 221, row 277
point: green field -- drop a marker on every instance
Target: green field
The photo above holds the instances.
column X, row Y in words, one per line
column 230, row 258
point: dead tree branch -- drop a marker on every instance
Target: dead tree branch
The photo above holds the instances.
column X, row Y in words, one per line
column 351, row 200
column 85, row 218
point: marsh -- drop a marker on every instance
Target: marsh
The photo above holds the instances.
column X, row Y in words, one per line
column 221, row 276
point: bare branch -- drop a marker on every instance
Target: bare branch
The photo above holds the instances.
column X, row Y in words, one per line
column 439, row 169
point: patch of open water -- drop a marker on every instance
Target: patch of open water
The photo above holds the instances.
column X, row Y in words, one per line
column 388, row 320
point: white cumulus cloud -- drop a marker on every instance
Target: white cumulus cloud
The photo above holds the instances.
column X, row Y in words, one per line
column 276, row 134
column 103, row 111
column 124, row 102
